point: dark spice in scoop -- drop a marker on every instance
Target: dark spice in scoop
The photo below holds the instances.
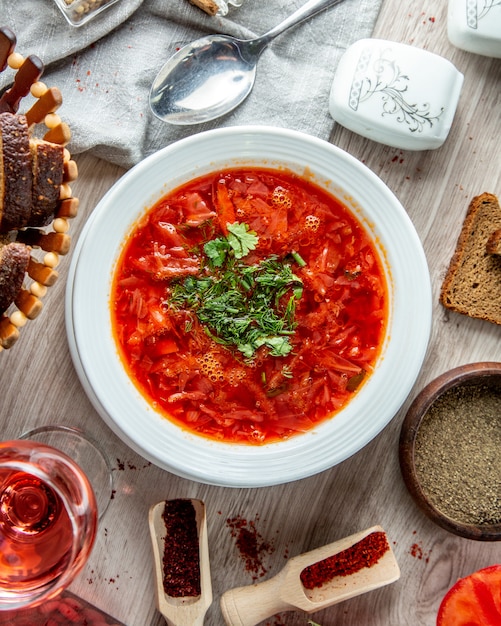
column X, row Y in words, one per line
column 364, row 553
column 181, row 559
column 458, row 454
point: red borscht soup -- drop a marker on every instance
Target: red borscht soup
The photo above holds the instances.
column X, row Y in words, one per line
column 249, row 305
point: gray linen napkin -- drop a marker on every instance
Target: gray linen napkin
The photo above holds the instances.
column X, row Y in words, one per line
column 105, row 68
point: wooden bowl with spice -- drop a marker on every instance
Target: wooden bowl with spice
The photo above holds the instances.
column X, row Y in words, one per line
column 450, row 451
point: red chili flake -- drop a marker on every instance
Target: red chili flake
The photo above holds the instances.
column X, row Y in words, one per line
column 181, row 558
column 418, row 553
column 432, row 20
column 364, row 553
column 251, row 545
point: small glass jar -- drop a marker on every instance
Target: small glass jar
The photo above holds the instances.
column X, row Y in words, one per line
column 78, row 12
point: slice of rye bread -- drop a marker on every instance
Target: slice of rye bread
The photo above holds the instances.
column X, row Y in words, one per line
column 48, row 170
column 472, row 285
column 15, row 172
column 14, row 260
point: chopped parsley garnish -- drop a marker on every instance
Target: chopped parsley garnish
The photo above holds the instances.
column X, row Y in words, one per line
column 242, row 306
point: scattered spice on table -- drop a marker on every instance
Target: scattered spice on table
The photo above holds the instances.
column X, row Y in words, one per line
column 416, row 550
column 458, row 454
column 365, row 553
column 251, row 545
column 181, row 558
column 122, row 465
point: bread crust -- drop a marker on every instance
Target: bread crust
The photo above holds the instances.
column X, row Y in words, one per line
column 47, row 165
column 209, row 6
column 472, row 284
column 17, row 173
column 14, row 259
column 493, row 245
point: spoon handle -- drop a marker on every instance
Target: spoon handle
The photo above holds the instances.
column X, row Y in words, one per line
column 310, row 8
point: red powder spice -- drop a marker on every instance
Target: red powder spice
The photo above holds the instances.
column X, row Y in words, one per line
column 364, row 553
column 418, row 553
column 251, row 545
column 181, row 558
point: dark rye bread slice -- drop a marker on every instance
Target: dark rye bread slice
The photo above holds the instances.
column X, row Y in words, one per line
column 16, row 173
column 48, row 170
column 14, row 260
column 472, row 285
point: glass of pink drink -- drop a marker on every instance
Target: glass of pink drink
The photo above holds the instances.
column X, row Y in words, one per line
column 48, row 522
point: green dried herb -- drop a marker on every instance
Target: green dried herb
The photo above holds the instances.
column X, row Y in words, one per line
column 242, row 306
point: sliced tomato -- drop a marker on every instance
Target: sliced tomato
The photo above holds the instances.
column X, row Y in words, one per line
column 165, row 266
column 157, row 348
column 168, row 234
column 258, row 189
column 225, row 207
column 474, row 600
column 196, row 210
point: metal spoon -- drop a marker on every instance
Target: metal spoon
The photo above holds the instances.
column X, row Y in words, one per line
column 188, row 610
column 247, row 606
column 211, row 76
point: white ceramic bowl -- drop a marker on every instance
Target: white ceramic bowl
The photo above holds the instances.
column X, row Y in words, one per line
column 157, row 439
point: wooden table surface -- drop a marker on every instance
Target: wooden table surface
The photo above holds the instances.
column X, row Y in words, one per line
column 40, row 386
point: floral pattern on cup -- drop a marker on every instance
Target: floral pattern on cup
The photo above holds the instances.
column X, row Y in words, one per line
column 477, row 10
column 475, row 26
column 382, row 76
column 396, row 94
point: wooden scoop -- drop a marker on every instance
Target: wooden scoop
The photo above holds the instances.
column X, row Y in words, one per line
column 247, row 606
column 186, row 610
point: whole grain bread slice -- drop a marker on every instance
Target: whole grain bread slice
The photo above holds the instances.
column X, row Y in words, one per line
column 15, row 203
column 14, row 259
column 472, row 284
column 48, row 169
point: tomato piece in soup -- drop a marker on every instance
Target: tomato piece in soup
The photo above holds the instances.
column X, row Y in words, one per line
column 474, row 600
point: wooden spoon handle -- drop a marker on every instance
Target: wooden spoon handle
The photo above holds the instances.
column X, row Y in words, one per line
column 247, row 606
